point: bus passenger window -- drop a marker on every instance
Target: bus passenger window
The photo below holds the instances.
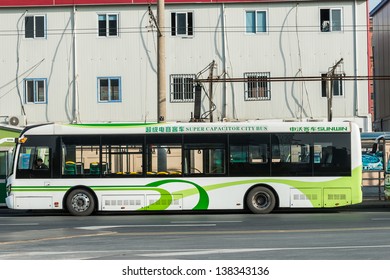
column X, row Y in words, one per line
column 205, row 159
column 164, row 159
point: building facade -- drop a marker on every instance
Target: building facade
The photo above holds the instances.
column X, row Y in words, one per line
column 88, row 61
column 381, row 52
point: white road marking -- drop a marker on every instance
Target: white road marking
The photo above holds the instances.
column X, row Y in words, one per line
column 201, row 222
column 233, row 251
column 144, row 226
column 25, row 224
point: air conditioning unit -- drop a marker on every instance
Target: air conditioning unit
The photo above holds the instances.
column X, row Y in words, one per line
column 17, row 120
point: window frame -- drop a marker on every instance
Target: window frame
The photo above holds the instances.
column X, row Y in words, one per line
column 340, row 82
column 109, row 79
column 257, row 80
column 331, row 21
column 189, row 24
column 255, row 26
column 34, row 30
column 183, row 86
column 35, row 92
column 107, row 25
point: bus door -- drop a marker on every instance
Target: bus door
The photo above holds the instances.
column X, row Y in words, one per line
column 3, row 175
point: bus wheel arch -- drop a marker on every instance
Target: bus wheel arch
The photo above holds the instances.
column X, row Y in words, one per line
column 261, row 199
column 80, row 201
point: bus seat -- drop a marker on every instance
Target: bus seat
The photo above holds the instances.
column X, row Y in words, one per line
column 70, row 168
column 94, row 168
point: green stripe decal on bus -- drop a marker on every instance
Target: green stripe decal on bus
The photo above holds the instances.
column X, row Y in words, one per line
column 203, row 202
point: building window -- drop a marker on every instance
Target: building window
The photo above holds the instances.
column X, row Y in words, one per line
column 109, row 89
column 182, row 88
column 108, row 25
column 257, row 86
column 34, row 26
column 256, row 22
column 330, row 20
column 337, row 85
column 182, row 24
column 35, row 90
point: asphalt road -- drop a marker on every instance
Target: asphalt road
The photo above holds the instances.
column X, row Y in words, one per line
column 349, row 233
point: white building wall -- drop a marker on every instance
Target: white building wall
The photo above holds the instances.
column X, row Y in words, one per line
column 293, row 46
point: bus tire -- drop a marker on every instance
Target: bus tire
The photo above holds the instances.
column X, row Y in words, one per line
column 80, row 202
column 261, row 200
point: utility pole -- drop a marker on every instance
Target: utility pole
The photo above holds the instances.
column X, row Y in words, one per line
column 329, row 88
column 211, row 90
column 161, row 81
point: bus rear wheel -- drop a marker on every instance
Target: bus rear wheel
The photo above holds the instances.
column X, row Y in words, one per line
column 261, row 200
column 80, row 202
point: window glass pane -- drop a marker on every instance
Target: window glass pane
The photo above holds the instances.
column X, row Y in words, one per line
column 181, row 24
column 39, row 26
column 249, row 155
column 113, row 25
column 250, row 22
column 30, row 91
column 188, row 88
column 114, row 89
column 103, row 89
column 204, row 159
column 173, row 24
column 323, row 85
column 164, row 155
column 29, row 27
column 123, row 159
column 81, row 157
column 332, row 155
column 34, row 158
column 291, row 154
column 190, row 24
column 336, row 20
column 102, row 25
column 40, row 87
column 325, row 20
column 177, row 88
column 261, row 22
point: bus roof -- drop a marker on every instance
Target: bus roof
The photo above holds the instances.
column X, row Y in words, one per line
column 180, row 128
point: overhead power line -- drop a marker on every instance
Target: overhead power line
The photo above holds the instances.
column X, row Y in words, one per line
column 296, row 79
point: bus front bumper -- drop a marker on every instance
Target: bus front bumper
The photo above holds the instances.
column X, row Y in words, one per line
column 9, row 200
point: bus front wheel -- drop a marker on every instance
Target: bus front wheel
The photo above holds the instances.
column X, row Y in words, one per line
column 80, row 202
column 261, row 200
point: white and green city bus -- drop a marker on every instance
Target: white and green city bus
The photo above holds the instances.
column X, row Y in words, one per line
column 186, row 166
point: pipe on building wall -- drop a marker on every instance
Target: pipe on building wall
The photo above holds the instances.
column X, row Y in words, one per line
column 224, row 93
column 355, row 60
column 74, row 58
column 18, row 64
